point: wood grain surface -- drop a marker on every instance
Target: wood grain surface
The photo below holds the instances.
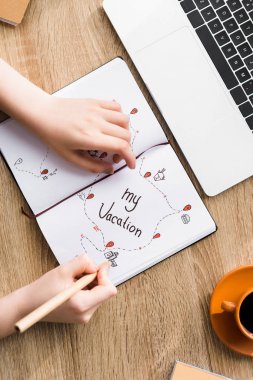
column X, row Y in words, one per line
column 160, row 315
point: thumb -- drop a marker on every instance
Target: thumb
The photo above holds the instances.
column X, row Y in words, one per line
column 102, row 276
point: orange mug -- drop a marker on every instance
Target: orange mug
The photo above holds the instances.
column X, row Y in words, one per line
column 243, row 312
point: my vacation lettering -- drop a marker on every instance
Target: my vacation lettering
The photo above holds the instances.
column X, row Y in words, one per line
column 131, row 198
column 124, row 223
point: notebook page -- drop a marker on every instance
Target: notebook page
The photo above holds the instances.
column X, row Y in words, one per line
column 133, row 218
column 42, row 175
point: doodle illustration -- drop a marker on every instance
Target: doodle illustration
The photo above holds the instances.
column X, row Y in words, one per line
column 185, row 218
column 97, row 154
column 112, row 256
column 43, row 171
column 160, row 175
column 103, row 155
column 18, row 162
column 93, row 153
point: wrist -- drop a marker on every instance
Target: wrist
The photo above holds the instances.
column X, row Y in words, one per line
column 20, row 98
column 31, row 109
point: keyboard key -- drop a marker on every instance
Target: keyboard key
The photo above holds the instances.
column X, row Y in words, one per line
column 234, row 5
column 249, row 62
column 243, row 74
column 222, row 38
column 217, row 57
column 229, row 50
column 231, row 25
column 249, row 120
column 251, row 15
column 237, row 37
column 248, row 4
column 202, row 3
column 246, row 109
column 247, row 28
column 251, row 98
column 195, row 19
column 244, row 50
column 215, row 26
column 235, row 62
column 208, row 14
column 224, row 13
column 217, row 3
column 188, row 5
column 250, row 40
column 241, row 16
column 238, row 95
column 248, row 87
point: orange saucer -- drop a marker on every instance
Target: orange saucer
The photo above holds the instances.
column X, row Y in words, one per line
column 230, row 288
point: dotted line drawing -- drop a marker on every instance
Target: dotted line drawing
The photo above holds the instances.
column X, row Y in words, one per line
column 44, row 159
column 163, row 194
column 106, row 250
column 134, row 133
column 95, row 153
column 108, row 246
column 42, row 172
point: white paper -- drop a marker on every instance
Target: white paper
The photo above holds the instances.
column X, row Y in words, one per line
column 43, row 176
column 133, row 218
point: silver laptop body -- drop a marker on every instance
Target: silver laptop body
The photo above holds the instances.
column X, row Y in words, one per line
column 196, row 98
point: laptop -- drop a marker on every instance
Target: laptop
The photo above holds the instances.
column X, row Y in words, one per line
column 196, row 58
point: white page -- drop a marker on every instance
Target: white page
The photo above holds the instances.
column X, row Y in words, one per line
column 157, row 224
column 43, row 176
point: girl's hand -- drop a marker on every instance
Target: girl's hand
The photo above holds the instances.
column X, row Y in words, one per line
column 78, row 309
column 69, row 126
column 72, row 126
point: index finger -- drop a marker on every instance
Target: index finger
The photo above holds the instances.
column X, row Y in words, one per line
column 114, row 145
column 113, row 105
column 98, row 294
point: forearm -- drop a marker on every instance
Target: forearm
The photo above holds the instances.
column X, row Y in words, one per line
column 18, row 95
column 12, row 308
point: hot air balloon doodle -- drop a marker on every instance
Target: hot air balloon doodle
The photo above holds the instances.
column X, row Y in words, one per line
column 110, row 244
column 134, row 111
column 18, row 162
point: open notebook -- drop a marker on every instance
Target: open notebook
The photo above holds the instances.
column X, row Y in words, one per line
column 134, row 218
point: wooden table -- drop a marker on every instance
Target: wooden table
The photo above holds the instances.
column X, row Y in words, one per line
column 157, row 317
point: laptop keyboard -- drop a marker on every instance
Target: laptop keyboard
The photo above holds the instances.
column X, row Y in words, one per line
column 225, row 29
